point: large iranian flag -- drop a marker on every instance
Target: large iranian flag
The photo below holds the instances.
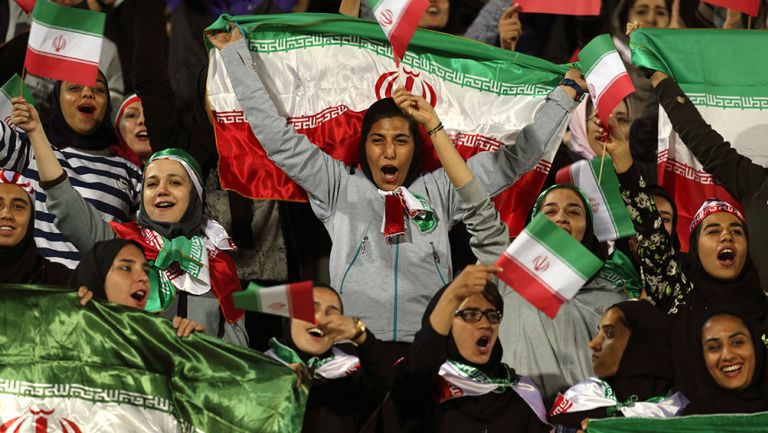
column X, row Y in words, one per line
column 546, row 265
column 107, row 368
column 65, row 43
column 324, row 71
column 726, row 423
column 724, row 74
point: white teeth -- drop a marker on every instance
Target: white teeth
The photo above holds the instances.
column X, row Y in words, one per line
column 316, row 332
column 731, row 368
column 164, row 205
column 6, row 228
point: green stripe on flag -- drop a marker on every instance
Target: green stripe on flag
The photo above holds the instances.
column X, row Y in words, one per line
column 726, row 63
column 564, row 246
column 249, row 299
column 75, row 20
column 609, row 190
column 374, row 3
column 731, row 423
column 11, row 89
column 595, row 50
column 438, row 53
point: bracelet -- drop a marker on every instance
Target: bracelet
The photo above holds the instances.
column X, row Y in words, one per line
column 573, row 85
column 435, row 130
column 360, row 329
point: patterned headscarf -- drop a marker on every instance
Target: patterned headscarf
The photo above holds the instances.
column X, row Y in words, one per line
column 14, row 178
column 713, row 206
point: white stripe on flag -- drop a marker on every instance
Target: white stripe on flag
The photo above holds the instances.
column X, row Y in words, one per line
column 551, row 270
column 388, row 13
column 604, row 72
column 65, row 44
column 584, row 177
column 274, row 300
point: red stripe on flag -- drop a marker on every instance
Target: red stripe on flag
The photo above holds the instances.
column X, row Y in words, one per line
column 749, row 7
column 61, row 68
column 617, row 90
column 301, row 301
column 409, row 20
column 565, row 175
column 26, row 5
column 529, row 286
column 561, row 7
column 515, row 203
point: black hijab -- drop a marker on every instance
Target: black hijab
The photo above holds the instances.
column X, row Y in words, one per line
column 654, row 189
column 287, row 339
column 713, row 398
column 383, row 109
column 94, row 267
column 646, row 367
column 61, row 135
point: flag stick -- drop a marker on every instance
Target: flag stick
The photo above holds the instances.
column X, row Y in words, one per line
column 749, row 22
column 602, row 161
column 21, row 82
column 464, row 302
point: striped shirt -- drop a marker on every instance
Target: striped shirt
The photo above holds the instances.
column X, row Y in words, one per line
column 108, row 182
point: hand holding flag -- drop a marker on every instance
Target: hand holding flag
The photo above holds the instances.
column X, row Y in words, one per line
column 13, row 88
column 546, row 265
column 607, row 78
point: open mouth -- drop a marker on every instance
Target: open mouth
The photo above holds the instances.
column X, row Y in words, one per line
column 139, row 295
column 483, row 344
column 732, row 370
column 433, row 10
column 316, row 332
column 142, row 135
column 726, row 256
column 86, row 109
column 165, row 205
column 389, row 172
column 5, row 229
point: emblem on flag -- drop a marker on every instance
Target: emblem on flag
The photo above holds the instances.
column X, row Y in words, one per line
column 59, row 43
column 386, row 18
column 414, row 83
column 40, row 421
column 540, row 263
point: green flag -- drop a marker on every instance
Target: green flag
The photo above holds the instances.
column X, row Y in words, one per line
column 730, row 423
column 11, row 89
column 105, row 367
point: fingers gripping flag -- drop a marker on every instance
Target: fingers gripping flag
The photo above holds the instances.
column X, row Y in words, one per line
column 398, row 19
column 9, row 91
column 546, row 265
column 289, row 300
column 607, row 78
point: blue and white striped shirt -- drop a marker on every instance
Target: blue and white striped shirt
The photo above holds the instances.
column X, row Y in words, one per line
column 109, row 182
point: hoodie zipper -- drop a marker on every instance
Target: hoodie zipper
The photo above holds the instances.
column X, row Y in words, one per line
column 360, row 250
column 436, row 259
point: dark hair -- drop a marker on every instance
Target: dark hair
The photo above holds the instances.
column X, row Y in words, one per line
column 387, row 109
column 491, row 294
column 622, row 318
column 628, row 4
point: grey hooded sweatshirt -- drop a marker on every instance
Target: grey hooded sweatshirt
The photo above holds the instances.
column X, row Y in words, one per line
column 388, row 285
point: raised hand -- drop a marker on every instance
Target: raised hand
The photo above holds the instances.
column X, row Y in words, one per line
column 416, row 108
column 24, row 115
column 510, row 28
column 84, row 295
column 340, row 328
column 616, row 144
column 221, row 39
column 575, row 75
column 471, row 281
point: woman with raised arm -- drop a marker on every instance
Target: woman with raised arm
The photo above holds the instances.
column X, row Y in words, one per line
column 363, row 210
column 80, row 131
column 191, row 274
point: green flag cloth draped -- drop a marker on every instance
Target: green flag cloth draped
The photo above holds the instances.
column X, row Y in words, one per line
column 732, row 423
column 105, row 367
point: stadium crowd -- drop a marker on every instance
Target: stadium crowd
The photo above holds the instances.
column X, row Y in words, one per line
column 113, row 190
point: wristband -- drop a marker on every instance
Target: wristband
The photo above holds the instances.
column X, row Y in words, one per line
column 435, row 130
column 573, row 85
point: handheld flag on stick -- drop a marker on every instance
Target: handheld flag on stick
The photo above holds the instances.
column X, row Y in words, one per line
column 398, row 19
column 609, row 214
column 546, row 265
column 289, row 300
column 11, row 90
column 561, row 7
column 26, row 5
column 65, row 43
column 749, row 7
column 607, row 78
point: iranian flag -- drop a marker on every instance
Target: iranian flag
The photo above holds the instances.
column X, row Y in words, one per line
column 293, row 300
column 560, row 7
column 108, row 368
column 726, row 423
column 398, row 19
column 598, row 181
column 324, row 71
column 607, row 78
column 749, row 7
column 65, row 43
column 723, row 74
column 11, row 89
column 546, row 265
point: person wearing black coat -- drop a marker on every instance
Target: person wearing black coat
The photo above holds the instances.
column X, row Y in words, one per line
column 452, row 379
column 20, row 263
column 347, row 382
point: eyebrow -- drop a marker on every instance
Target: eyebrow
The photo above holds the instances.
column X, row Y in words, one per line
column 571, row 204
column 734, row 224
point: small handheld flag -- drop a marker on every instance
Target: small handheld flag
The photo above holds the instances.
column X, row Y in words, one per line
column 560, row 7
column 610, row 216
column 289, row 300
column 11, row 90
column 65, row 43
column 26, row 5
column 546, row 265
column 606, row 76
column 398, row 19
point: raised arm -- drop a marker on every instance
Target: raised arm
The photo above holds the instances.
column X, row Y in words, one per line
column 314, row 170
column 736, row 172
column 75, row 218
column 662, row 275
